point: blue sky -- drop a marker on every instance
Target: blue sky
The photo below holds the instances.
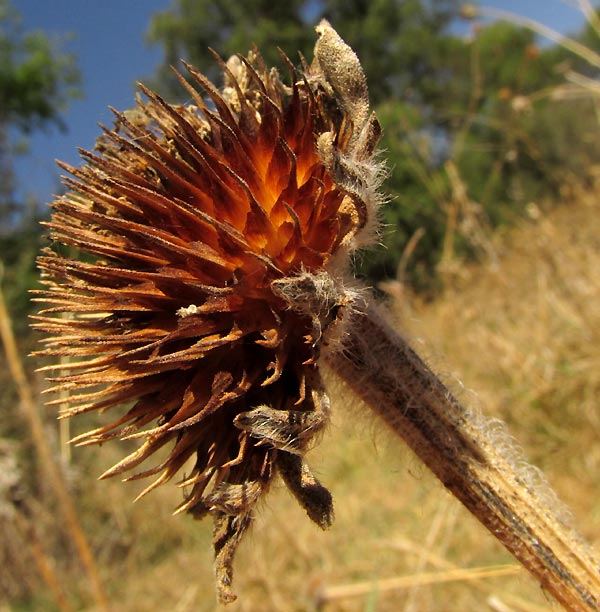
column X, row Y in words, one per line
column 108, row 38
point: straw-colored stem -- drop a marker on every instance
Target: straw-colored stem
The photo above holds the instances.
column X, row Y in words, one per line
column 47, row 462
column 360, row 589
column 43, row 562
column 464, row 452
column 570, row 44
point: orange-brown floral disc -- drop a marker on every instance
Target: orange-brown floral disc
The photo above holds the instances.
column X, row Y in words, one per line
column 204, row 268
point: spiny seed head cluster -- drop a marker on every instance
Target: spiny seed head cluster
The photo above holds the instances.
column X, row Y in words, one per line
column 203, row 263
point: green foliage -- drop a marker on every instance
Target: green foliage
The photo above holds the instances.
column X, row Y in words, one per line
column 19, row 250
column 511, row 139
column 36, row 78
column 416, row 185
column 520, row 142
column 228, row 27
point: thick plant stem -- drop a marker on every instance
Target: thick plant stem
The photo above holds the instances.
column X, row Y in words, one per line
column 464, row 452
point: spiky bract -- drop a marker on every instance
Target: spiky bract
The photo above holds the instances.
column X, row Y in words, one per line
column 203, row 262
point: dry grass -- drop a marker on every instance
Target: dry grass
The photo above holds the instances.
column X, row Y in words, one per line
column 524, row 334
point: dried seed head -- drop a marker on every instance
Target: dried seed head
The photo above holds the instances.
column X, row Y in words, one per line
column 214, row 242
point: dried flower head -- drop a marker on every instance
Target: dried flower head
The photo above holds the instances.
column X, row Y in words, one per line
column 214, row 241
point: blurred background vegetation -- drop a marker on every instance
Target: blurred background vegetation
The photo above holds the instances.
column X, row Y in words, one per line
column 486, row 127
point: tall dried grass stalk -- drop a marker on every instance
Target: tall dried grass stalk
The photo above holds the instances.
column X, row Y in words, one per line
column 43, row 562
column 438, row 562
column 47, row 462
column 470, row 11
column 591, row 14
column 359, row 589
column 472, row 457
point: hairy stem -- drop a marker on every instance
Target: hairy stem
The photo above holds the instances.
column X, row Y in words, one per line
column 385, row 372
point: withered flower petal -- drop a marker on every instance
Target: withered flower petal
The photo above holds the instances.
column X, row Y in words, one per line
column 206, row 268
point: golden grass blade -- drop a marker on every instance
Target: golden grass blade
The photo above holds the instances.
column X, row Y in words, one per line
column 43, row 562
column 359, row 589
column 467, row 456
column 46, row 458
column 591, row 16
column 437, row 562
column 470, row 11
